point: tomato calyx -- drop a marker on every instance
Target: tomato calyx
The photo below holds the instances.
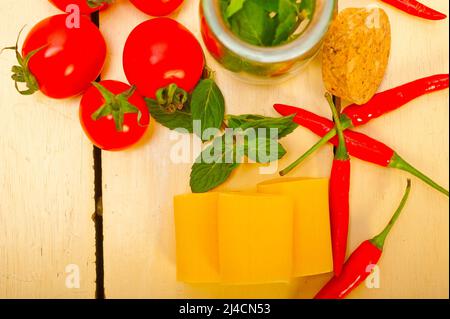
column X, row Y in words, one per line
column 208, row 73
column 172, row 98
column 21, row 73
column 116, row 106
column 97, row 3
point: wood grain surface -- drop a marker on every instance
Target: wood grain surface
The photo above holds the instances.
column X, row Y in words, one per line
column 47, row 180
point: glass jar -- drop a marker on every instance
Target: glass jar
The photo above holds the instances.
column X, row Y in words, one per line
column 257, row 64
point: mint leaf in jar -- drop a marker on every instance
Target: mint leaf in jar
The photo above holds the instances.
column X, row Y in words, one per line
column 288, row 18
column 268, row 5
column 266, row 22
column 233, row 7
column 253, row 24
column 306, row 8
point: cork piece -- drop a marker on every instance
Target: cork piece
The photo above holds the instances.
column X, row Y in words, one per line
column 356, row 53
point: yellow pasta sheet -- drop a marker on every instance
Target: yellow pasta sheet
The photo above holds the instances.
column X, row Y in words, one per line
column 271, row 236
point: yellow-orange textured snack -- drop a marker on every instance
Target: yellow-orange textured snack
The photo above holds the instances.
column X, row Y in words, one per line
column 356, row 53
column 312, row 238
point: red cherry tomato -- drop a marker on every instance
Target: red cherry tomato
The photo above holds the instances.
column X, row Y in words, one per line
column 157, row 8
column 159, row 52
column 103, row 132
column 69, row 59
column 84, row 6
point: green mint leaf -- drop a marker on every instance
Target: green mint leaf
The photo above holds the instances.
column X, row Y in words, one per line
column 253, row 24
column 285, row 125
column 214, row 165
column 205, row 177
column 223, row 4
column 178, row 119
column 263, row 149
column 306, row 8
column 268, row 5
column 266, row 22
column 236, row 121
column 288, row 19
column 208, row 105
column 233, row 7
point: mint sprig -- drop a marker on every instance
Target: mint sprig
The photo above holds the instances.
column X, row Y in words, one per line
column 249, row 135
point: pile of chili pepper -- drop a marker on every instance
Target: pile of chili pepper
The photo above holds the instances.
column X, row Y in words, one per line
column 361, row 145
column 417, row 9
column 348, row 275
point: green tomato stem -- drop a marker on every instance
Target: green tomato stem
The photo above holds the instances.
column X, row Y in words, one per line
column 21, row 73
column 116, row 105
column 172, row 98
column 97, row 3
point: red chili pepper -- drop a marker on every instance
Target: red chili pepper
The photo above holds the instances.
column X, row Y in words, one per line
column 359, row 264
column 339, row 189
column 382, row 103
column 358, row 145
column 417, row 9
column 395, row 98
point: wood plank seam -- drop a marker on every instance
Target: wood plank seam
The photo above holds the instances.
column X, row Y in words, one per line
column 98, row 214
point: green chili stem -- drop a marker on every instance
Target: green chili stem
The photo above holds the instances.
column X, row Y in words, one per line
column 315, row 147
column 379, row 240
column 400, row 163
column 341, row 151
column 345, row 122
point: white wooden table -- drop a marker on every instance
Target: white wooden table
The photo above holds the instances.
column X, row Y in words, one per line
column 47, row 176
